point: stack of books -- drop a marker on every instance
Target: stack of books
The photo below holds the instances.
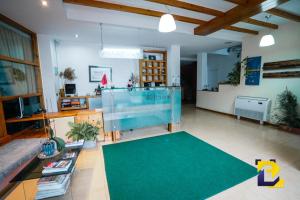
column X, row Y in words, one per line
column 53, row 186
column 57, row 167
column 74, row 144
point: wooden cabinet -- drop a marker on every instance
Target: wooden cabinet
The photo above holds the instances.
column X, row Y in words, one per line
column 153, row 71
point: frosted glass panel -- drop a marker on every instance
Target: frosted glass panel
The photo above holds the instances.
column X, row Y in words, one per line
column 126, row 109
column 17, row 79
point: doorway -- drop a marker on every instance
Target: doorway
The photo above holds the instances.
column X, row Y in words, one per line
column 188, row 76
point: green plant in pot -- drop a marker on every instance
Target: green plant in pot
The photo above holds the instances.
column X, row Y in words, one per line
column 234, row 76
column 60, row 143
column 287, row 115
column 85, row 131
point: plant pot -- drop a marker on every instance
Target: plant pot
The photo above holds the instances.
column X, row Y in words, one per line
column 89, row 144
column 290, row 129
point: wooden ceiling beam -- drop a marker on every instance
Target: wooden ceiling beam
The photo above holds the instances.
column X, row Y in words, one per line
column 284, row 14
column 209, row 11
column 239, row 2
column 147, row 12
column 237, row 14
column 260, row 23
column 189, row 6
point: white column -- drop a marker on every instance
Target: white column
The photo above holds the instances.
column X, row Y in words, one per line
column 45, row 44
column 201, row 70
column 174, row 64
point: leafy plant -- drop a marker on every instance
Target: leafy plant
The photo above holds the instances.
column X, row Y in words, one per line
column 68, row 74
column 287, row 108
column 60, row 143
column 234, row 77
column 83, row 130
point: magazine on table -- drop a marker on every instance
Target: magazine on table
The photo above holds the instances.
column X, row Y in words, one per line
column 56, row 167
column 69, row 155
column 78, row 143
column 53, row 186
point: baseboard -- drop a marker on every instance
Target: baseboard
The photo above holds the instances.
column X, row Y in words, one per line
column 242, row 118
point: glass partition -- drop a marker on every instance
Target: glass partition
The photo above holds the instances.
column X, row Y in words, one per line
column 133, row 108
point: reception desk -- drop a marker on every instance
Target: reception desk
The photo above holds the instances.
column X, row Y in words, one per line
column 132, row 108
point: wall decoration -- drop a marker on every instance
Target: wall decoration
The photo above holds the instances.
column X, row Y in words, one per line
column 291, row 74
column 96, row 73
column 6, row 76
column 253, row 70
column 287, row 64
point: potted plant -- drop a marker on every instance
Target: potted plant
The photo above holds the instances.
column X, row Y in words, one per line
column 287, row 116
column 67, row 75
column 84, row 131
column 234, row 76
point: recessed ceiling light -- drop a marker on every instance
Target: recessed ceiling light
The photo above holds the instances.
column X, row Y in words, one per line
column 76, row 35
column 44, row 3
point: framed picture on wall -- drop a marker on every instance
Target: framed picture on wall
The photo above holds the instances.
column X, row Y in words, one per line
column 96, row 73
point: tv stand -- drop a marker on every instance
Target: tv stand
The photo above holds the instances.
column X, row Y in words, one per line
column 73, row 103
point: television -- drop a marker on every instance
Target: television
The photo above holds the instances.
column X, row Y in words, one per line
column 70, row 89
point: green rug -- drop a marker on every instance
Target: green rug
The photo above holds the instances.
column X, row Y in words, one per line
column 173, row 166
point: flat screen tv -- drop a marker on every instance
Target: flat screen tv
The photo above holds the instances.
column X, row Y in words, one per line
column 70, row 89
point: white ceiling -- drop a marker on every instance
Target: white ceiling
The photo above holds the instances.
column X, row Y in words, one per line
column 63, row 21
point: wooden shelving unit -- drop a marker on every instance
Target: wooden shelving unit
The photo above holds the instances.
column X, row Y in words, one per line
column 153, row 71
column 73, row 103
column 4, row 121
column 283, row 66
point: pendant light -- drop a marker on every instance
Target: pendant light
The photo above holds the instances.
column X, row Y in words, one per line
column 123, row 53
column 267, row 40
column 167, row 23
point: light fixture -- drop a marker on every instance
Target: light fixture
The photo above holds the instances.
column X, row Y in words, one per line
column 44, row 3
column 167, row 23
column 268, row 39
column 125, row 53
column 76, row 35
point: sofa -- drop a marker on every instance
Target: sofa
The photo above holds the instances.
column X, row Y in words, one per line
column 15, row 156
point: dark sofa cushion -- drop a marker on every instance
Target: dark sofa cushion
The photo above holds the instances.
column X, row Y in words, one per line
column 16, row 153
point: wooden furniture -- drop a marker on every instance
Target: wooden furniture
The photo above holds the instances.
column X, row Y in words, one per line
column 33, row 65
column 153, row 71
column 59, row 121
column 26, row 182
column 73, row 103
column 282, row 65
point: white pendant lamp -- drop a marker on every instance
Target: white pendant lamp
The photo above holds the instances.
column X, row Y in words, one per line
column 167, row 23
column 267, row 40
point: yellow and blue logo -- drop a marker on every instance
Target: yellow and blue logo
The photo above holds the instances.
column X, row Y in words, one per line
column 268, row 168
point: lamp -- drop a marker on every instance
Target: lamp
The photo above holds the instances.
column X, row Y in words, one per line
column 125, row 53
column 267, row 40
column 167, row 23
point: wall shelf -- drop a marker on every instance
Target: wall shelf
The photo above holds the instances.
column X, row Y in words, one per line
column 153, row 71
column 292, row 74
column 288, row 64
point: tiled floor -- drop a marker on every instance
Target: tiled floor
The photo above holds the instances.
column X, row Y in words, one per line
column 243, row 139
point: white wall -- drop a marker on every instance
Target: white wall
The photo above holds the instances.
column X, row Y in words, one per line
column 46, row 45
column 287, row 47
column 201, row 70
column 174, row 65
column 80, row 55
